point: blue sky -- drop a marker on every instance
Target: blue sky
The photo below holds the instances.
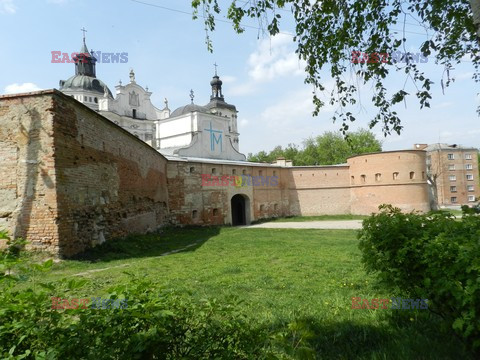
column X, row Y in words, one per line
column 262, row 77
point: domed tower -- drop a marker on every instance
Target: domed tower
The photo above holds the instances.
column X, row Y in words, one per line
column 84, row 85
column 219, row 107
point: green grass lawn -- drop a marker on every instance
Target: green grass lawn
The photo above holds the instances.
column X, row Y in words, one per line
column 282, row 277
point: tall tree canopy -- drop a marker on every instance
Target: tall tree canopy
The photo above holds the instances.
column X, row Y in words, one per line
column 327, row 31
column 327, row 149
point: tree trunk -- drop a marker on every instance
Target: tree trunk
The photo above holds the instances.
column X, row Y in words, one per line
column 475, row 4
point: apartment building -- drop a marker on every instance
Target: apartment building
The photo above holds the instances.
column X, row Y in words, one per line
column 452, row 172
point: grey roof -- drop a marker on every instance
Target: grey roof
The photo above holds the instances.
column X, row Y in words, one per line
column 188, row 109
column 84, row 82
column 215, row 161
column 217, row 103
column 443, row 146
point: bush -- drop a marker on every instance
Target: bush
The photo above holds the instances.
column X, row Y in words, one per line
column 432, row 256
column 155, row 325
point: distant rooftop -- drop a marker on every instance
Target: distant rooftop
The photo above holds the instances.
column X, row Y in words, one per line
column 443, row 146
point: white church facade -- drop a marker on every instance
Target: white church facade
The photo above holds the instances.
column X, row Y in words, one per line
column 191, row 131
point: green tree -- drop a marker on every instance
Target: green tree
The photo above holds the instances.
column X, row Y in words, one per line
column 327, row 32
column 327, row 149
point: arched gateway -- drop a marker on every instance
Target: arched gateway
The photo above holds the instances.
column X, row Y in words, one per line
column 240, row 209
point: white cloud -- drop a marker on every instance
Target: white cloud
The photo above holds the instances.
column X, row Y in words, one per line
column 463, row 76
column 21, row 88
column 274, row 58
column 227, row 79
column 7, row 7
column 243, row 122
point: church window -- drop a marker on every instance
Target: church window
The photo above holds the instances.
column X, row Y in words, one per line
column 84, row 98
column 90, row 98
column 192, row 169
column 95, row 100
column 134, row 113
column 215, row 212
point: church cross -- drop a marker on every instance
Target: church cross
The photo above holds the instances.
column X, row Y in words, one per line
column 215, row 68
column 84, row 31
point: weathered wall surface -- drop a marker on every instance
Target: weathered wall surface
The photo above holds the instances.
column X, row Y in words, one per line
column 192, row 203
column 28, row 199
column 80, row 179
column 319, row 190
column 392, row 177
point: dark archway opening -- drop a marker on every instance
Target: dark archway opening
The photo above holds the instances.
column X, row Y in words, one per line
column 238, row 210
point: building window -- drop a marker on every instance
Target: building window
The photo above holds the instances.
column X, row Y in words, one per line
column 234, row 172
column 274, row 173
column 214, row 170
column 469, row 177
column 194, row 214
column 95, row 100
column 453, row 199
column 192, row 169
column 134, row 113
column 84, row 98
column 412, row 175
column 90, row 98
column 395, row 175
column 423, row 175
column 452, row 177
column 378, row 177
column 215, row 212
column 471, row 198
column 453, row 189
column 451, row 167
column 364, row 178
column 468, row 156
column 470, row 188
column 450, row 156
column 262, row 207
column 468, row 167
column 353, row 179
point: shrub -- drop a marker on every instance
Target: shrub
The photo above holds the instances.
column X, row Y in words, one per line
column 431, row 256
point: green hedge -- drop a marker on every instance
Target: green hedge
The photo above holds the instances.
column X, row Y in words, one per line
column 433, row 256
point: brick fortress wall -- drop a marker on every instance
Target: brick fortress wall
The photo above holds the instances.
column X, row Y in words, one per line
column 74, row 178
